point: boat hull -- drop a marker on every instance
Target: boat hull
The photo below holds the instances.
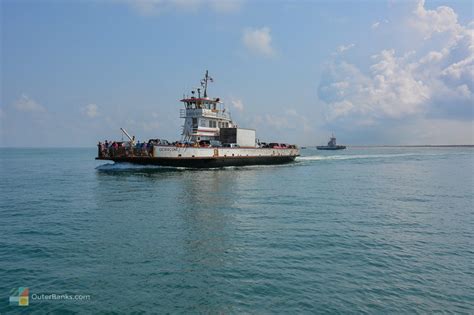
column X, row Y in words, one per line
column 339, row 147
column 204, row 162
column 202, row 157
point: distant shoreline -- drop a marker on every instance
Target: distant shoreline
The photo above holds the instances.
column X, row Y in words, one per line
column 417, row 146
column 404, row 146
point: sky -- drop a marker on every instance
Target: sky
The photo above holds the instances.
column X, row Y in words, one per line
column 371, row 72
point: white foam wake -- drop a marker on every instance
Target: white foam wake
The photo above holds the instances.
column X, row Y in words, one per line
column 126, row 166
column 351, row 157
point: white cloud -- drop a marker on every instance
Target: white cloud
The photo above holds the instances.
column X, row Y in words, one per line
column 429, row 22
column 238, row 104
column 339, row 109
column 91, row 110
column 432, row 57
column 438, row 81
column 26, row 104
column 343, row 48
column 378, row 24
column 156, row 7
column 391, row 89
column 457, row 70
column 258, row 41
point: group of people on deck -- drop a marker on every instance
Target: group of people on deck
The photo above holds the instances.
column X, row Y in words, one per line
column 124, row 148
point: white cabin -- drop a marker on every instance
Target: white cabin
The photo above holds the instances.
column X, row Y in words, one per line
column 204, row 116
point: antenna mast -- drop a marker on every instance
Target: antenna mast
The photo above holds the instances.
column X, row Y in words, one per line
column 204, row 82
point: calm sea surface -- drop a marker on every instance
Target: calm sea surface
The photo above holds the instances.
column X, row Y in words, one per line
column 371, row 230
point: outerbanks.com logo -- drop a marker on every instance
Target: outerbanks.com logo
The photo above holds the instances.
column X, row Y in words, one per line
column 21, row 297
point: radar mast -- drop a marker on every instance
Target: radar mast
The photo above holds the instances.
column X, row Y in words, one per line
column 204, row 82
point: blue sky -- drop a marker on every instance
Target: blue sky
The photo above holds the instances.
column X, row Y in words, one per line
column 372, row 72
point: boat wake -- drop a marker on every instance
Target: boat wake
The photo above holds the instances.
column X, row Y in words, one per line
column 114, row 167
column 130, row 167
column 352, row 157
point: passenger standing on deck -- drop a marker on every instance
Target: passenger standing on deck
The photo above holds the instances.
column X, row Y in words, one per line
column 105, row 149
column 113, row 148
column 100, row 149
column 137, row 148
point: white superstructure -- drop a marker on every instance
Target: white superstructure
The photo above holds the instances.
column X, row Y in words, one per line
column 203, row 116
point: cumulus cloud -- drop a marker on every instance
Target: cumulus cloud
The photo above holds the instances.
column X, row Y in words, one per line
column 437, row 81
column 343, row 48
column 258, row 41
column 238, row 104
column 429, row 22
column 91, row 110
column 26, row 104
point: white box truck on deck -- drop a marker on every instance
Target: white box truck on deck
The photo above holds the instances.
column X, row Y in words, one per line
column 242, row 137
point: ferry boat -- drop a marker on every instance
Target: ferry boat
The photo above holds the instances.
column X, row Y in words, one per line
column 209, row 139
column 331, row 145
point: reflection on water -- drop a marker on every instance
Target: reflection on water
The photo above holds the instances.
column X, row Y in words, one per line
column 178, row 224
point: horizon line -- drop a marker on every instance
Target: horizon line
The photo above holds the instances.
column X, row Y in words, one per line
column 307, row 146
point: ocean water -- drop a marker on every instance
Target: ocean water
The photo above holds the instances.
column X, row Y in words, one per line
column 365, row 230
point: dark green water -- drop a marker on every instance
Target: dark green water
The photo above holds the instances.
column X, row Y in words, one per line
column 372, row 230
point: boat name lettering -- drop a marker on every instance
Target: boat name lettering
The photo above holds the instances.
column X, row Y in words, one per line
column 168, row 149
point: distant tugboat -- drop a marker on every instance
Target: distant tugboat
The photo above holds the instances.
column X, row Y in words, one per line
column 331, row 145
column 209, row 139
